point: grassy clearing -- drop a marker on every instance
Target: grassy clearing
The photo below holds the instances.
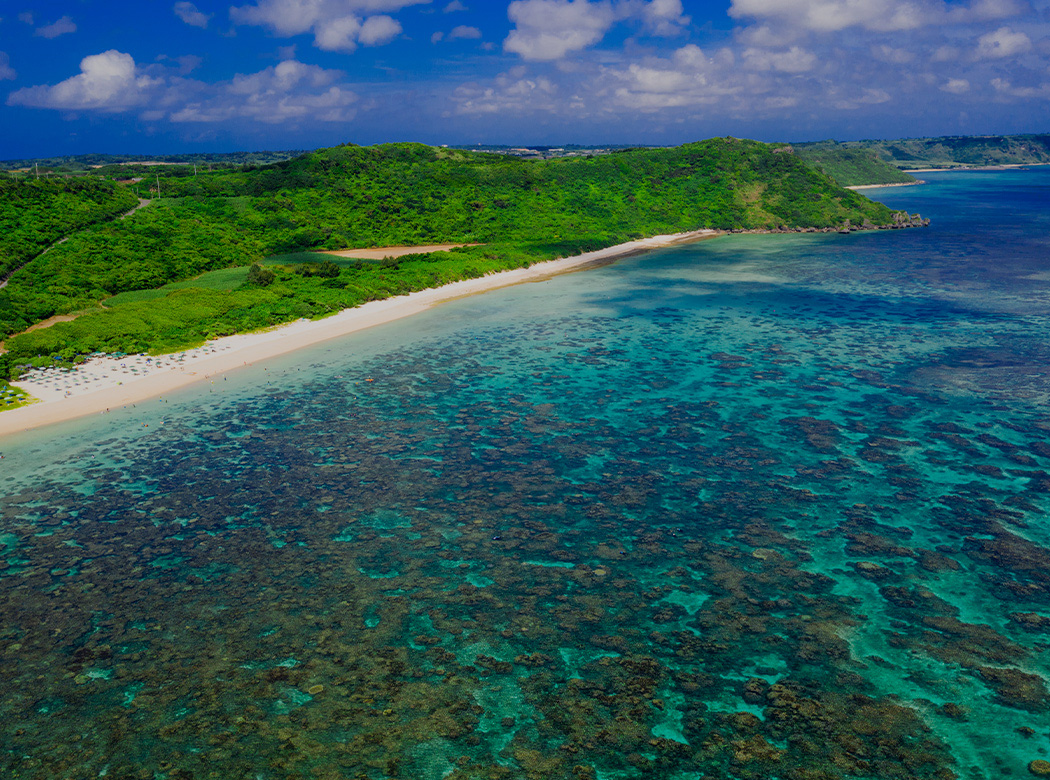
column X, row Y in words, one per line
column 12, row 397
column 297, row 258
column 224, row 279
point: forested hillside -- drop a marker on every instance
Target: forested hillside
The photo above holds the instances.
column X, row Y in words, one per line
column 851, row 167
column 351, row 196
column 35, row 214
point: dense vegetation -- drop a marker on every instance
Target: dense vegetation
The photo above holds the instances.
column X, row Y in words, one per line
column 36, row 214
column 522, row 211
column 851, row 167
column 952, row 151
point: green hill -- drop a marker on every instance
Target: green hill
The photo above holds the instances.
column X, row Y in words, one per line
column 522, row 211
column 35, row 214
column 851, row 167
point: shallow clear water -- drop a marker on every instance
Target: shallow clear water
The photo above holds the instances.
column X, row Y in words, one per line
column 764, row 506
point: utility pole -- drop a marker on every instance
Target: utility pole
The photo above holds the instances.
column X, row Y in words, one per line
column 158, row 184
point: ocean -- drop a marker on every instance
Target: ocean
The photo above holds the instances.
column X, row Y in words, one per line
column 765, row 506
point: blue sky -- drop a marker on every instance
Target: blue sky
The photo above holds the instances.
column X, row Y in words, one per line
column 151, row 77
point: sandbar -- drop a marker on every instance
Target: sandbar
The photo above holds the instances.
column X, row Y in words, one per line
column 881, row 186
column 381, row 253
column 105, row 383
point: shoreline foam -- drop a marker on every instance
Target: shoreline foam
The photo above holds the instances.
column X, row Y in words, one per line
column 105, row 385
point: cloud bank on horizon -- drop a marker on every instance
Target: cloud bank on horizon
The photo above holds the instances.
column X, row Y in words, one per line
column 304, row 73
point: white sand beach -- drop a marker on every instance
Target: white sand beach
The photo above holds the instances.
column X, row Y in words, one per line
column 107, row 382
column 884, row 186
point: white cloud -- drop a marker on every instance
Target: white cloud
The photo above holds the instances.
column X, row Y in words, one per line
column 984, row 10
column 1002, row 43
column 109, row 82
column 1006, row 88
column 61, row 27
column 551, row 29
column 437, row 37
column 892, row 55
column 455, row 5
column 877, row 15
column 956, row 86
column 190, row 15
column 26, row 16
column 854, row 99
column 188, row 63
column 338, row 34
column 508, row 93
column 465, row 32
column 794, row 60
column 832, row 15
column 663, row 17
column 6, row 71
column 285, row 93
column 337, row 25
column 378, row 30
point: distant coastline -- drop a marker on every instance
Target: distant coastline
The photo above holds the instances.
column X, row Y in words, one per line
column 111, row 389
column 966, row 167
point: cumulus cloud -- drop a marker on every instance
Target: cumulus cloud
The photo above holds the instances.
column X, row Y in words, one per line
column 464, row 32
column 6, row 71
column 112, row 82
column 986, row 10
column 793, row 60
column 190, row 15
column 511, row 91
column 337, row 25
column 26, row 17
column 284, row 93
column 956, row 86
column 877, row 15
column 455, row 5
column 1003, row 43
column 108, row 82
column 61, row 27
column 1006, row 88
column 892, row 54
column 661, row 17
column 378, row 30
column 552, row 29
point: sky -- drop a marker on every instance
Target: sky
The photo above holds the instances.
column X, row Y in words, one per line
column 151, row 76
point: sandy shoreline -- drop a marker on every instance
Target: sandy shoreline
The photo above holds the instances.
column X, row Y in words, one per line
column 881, row 186
column 108, row 383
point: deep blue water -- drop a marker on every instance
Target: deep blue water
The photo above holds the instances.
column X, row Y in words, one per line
column 759, row 507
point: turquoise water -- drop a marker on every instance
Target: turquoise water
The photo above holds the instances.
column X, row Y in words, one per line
column 760, row 507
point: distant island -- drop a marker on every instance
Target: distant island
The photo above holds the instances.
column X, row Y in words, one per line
column 218, row 250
